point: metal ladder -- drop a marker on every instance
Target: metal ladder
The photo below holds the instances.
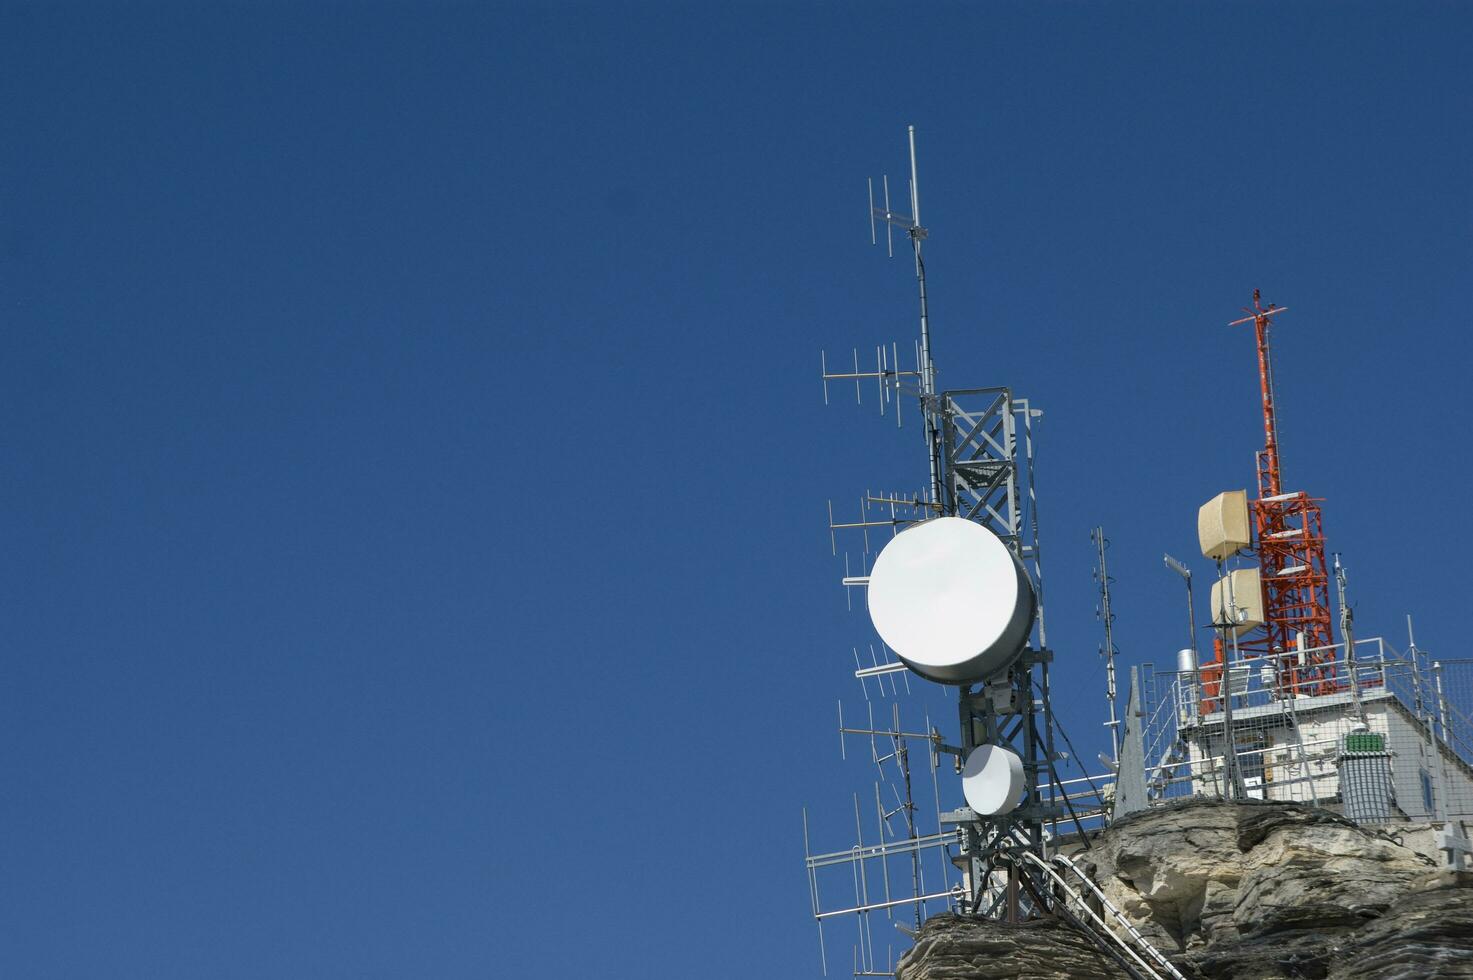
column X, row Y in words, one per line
column 1162, row 968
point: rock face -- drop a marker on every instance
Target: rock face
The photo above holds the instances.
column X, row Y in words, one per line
column 1429, row 934
column 1237, row 891
column 1250, row 891
column 952, row 948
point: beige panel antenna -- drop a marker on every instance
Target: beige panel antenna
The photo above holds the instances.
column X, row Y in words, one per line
column 1237, row 598
column 1222, row 525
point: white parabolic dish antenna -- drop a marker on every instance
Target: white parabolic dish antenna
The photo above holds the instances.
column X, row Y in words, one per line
column 951, row 600
column 992, row 780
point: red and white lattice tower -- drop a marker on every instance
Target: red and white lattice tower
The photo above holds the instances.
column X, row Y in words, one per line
column 1289, row 542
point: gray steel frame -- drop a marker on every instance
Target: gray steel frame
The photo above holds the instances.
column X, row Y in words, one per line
column 980, row 447
column 986, row 479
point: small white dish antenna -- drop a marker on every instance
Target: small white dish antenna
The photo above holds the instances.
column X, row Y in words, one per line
column 992, row 780
column 951, row 600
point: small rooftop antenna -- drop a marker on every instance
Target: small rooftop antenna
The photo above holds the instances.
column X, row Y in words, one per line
column 1347, row 636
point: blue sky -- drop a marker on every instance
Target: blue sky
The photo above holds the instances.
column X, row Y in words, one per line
column 414, row 520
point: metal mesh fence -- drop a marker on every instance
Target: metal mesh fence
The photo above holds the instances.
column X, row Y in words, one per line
column 1390, row 740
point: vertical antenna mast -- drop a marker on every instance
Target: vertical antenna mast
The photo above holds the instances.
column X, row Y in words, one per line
column 928, row 366
column 911, row 224
column 1347, row 634
column 1108, row 651
column 1270, row 481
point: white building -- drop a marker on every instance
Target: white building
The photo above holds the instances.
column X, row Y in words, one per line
column 1396, row 753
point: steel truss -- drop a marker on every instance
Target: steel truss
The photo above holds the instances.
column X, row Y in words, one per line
column 979, row 443
column 1289, row 543
column 988, row 478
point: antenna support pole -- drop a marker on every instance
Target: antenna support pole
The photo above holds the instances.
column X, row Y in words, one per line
column 929, row 405
column 1107, row 616
column 1347, row 634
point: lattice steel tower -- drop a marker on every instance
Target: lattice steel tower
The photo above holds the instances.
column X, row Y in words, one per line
column 1289, row 543
column 980, row 451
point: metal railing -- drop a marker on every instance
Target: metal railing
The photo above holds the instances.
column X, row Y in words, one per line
column 1390, row 739
column 1138, row 944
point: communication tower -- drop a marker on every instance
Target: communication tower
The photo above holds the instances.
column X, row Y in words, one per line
column 1289, row 543
column 956, row 592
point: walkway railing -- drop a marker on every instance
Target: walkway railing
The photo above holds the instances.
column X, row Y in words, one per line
column 1395, row 742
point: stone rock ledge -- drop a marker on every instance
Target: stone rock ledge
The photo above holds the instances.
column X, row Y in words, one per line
column 953, row 948
column 1236, row 891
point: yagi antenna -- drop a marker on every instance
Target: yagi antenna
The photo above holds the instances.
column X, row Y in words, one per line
column 911, row 223
column 887, row 373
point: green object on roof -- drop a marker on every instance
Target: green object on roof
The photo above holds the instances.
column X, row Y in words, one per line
column 1365, row 742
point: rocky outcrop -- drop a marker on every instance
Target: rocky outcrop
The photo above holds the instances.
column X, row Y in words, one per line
column 952, row 948
column 1238, row 891
column 1425, row 935
column 1250, row 891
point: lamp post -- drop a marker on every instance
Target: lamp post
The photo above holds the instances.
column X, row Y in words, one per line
column 1186, row 573
column 1235, row 789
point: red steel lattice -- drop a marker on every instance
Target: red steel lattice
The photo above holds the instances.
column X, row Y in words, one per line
column 1289, row 543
